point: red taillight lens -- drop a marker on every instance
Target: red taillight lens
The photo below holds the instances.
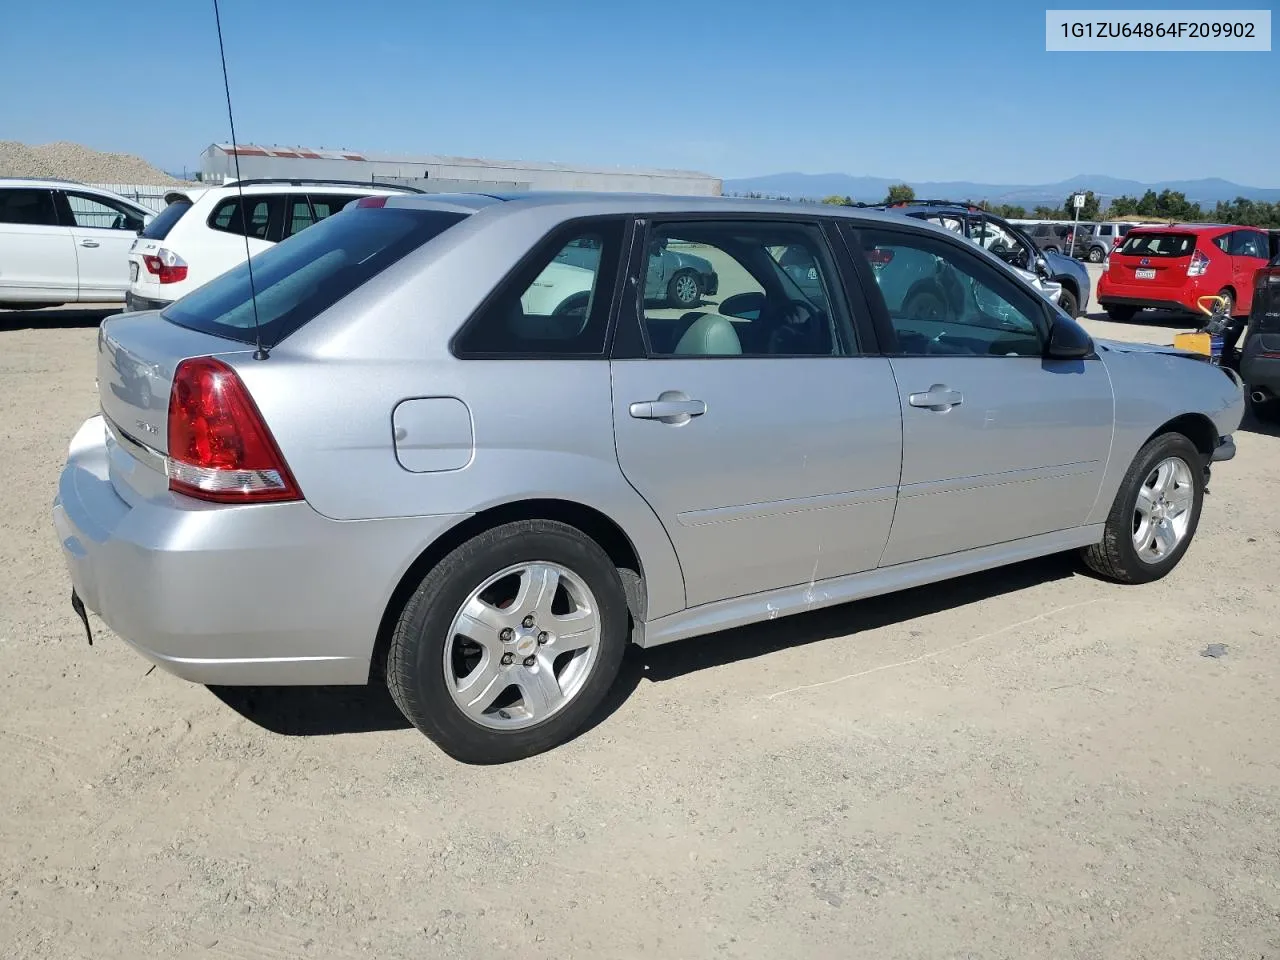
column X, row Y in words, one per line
column 371, row 202
column 1198, row 266
column 879, row 257
column 219, row 447
column 166, row 265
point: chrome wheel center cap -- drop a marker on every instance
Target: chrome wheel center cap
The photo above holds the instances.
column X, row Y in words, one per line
column 526, row 644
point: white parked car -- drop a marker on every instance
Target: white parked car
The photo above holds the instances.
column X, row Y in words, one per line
column 201, row 232
column 64, row 242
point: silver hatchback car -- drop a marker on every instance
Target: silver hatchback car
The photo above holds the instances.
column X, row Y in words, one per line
column 398, row 450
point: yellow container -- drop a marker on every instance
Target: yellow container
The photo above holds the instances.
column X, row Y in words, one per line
column 1194, row 343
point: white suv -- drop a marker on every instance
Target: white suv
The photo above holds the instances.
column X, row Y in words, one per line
column 64, row 242
column 202, row 232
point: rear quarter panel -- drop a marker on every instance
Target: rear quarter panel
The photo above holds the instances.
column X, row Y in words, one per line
column 1151, row 389
column 541, row 428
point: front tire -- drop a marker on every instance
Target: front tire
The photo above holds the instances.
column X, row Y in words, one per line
column 1097, row 254
column 510, row 643
column 1069, row 303
column 1155, row 513
column 684, row 290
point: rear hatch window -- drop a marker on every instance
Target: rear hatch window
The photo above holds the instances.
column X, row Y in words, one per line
column 163, row 222
column 1158, row 245
column 306, row 274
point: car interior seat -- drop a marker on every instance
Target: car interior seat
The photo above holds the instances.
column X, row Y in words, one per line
column 711, row 335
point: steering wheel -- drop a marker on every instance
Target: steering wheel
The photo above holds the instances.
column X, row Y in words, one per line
column 796, row 327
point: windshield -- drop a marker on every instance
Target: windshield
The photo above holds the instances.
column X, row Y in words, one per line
column 306, row 274
column 1159, row 244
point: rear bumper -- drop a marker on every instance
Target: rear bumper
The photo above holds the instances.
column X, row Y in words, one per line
column 1161, row 298
column 1258, row 370
column 259, row 595
column 133, row 302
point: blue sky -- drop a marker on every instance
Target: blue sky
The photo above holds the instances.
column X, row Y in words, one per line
column 918, row 90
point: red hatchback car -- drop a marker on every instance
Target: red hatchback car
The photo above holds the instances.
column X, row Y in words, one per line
column 1169, row 268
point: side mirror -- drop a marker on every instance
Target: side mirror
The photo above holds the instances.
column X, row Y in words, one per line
column 1068, row 341
column 1042, row 265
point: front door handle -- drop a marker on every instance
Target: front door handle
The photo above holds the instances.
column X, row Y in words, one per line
column 668, row 411
column 939, row 398
column 89, row 243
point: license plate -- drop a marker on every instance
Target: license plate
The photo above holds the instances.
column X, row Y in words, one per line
column 1145, row 274
column 133, row 273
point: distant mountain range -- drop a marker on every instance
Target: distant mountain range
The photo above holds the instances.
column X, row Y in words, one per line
column 1206, row 192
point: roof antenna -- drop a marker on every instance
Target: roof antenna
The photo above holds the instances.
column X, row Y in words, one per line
column 259, row 352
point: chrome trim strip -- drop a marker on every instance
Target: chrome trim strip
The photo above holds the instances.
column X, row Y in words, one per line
column 136, row 448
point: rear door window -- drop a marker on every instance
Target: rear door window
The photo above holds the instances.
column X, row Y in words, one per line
column 28, row 206
column 263, row 220
column 1248, row 243
column 1159, row 244
column 298, row 280
column 165, row 220
column 102, row 213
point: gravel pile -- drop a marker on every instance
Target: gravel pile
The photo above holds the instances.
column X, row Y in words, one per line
column 74, row 161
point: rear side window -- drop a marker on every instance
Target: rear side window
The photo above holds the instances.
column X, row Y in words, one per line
column 163, row 222
column 261, row 212
column 1248, row 243
column 28, row 206
column 1159, row 244
column 297, row 280
column 555, row 303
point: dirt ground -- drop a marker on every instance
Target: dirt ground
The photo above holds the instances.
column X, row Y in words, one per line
column 1027, row 763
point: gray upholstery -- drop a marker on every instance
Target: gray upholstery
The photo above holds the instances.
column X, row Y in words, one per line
column 710, row 336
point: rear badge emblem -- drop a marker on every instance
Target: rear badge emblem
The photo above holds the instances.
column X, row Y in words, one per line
column 1146, row 261
column 143, row 425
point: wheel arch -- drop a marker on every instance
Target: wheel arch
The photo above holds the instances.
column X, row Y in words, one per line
column 592, row 522
column 1196, row 427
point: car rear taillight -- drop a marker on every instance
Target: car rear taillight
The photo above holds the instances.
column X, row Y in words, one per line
column 880, row 257
column 371, row 202
column 166, row 265
column 219, row 446
column 1266, row 276
column 1198, row 266
column 1106, row 263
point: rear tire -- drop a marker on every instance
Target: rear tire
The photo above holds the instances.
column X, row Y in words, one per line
column 1120, row 314
column 521, row 679
column 1145, row 513
column 1097, row 254
column 1230, row 298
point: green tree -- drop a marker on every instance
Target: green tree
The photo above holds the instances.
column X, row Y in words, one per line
column 1047, row 213
column 838, row 201
column 1091, row 210
column 1122, row 206
column 900, row 193
column 1010, row 211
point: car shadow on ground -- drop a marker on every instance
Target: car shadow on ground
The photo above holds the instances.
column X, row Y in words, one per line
column 57, row 317
column 321, row 711
column 1167, row 319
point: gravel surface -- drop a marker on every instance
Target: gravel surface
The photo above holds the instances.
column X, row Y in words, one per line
column 73, row 161
column 1029, row 763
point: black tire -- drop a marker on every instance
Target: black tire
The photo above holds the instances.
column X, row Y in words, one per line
column 1050, row 250
column 1069, row 303
column 1116, row 557
column 1230, row 297
column 1097, row 254
column 1120, row 314
column 415, row 660
column 684, row 290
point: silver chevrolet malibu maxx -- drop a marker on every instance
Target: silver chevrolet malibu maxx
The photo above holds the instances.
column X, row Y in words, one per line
column 419, row 443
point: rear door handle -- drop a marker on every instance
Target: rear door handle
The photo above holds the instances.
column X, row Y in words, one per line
column 939, row 398
column 668, row 411
column 89, row 243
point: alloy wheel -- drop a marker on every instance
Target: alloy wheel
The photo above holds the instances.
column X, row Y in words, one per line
column 1162, row 513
